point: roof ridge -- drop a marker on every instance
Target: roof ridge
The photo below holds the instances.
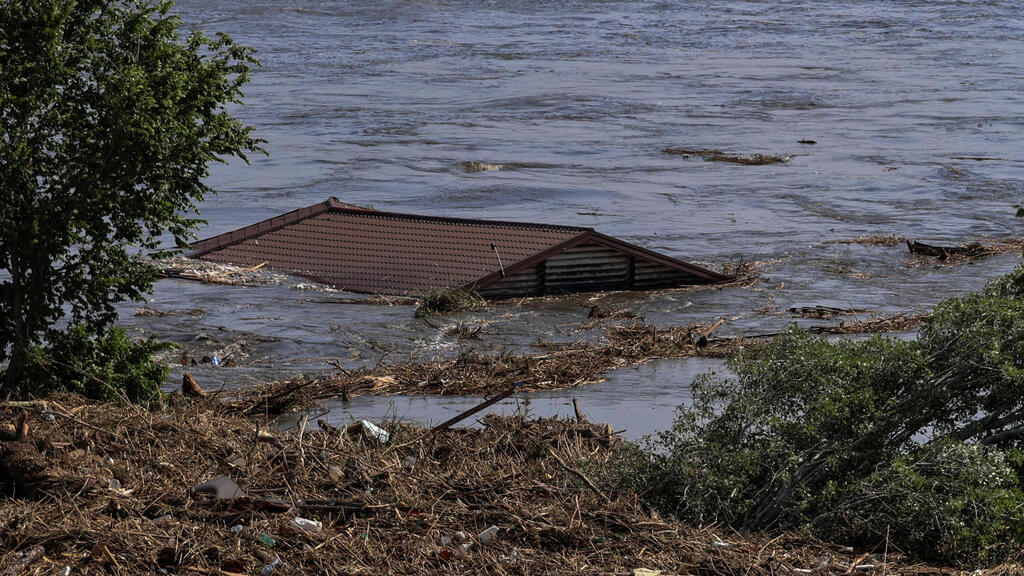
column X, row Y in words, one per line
column 332, row 204
column 338, row 206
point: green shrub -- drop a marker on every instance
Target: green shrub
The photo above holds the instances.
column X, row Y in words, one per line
column 948, row 501
column 976, row 344
column 448, row 300
column 757, row 451
column 849, row 437
column 105, row 367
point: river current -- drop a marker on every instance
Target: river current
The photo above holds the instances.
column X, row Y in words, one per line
column 916, row 110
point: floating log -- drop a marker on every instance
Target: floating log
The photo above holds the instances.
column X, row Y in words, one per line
column 972, row 250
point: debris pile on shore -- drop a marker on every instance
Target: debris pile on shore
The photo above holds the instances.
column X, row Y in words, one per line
column 192, row 490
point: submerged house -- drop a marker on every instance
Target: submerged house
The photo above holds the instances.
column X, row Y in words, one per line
column 363, row 250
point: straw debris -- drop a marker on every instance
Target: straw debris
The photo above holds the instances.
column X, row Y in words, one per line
column 516, row 497
column 562, row 366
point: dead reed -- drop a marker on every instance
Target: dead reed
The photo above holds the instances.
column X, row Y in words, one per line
column 116, row 498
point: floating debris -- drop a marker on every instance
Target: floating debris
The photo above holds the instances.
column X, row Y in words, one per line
column 962, row 252
column 473, row 167
column 899, row 322
column 720, row 156
column 563, row 366
column 599, row 313
column 873, row 240
column 151, row 311
column 216, row 273
column 972, row 250
column 462, row 331
column 824, row 311
column 190, row 387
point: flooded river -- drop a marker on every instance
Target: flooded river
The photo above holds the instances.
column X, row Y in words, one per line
column 916, row 108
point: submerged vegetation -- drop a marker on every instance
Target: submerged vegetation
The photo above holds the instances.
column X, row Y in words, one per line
column 447, row 301
column 915, row 444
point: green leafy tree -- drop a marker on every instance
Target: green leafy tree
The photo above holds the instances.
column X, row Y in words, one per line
column 109, row 119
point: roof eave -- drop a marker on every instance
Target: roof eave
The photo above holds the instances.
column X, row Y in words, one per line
column 226, row 239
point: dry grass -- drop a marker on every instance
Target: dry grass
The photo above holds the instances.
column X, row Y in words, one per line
column 874, row 240
column 400, row 508
column 898, row 322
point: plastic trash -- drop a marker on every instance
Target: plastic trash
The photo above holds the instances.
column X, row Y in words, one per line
column 221, row 487
column 164, row 520
column 336, row 473
column 720, row 544
column 216, row 362
column 237, row 529
column 461, row 536
column 465, row 547
column 307, row 524
column 65, row 571
column 488, row 535
column 270, row 567
column 409, row 461
column 266, row 539
column 49, row 417
column 376, row 432
column 115, row 484
column 512, row 559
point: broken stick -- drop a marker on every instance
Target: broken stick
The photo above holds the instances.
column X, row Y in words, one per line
column 462, row 416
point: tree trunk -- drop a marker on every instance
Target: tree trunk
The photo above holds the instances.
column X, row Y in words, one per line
column 19, row 347
column 15, row 368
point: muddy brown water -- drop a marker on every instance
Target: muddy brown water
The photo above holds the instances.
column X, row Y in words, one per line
column 915, row 108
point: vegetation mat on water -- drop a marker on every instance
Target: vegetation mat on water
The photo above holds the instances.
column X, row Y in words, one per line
column 563, row 366
column 112, row 494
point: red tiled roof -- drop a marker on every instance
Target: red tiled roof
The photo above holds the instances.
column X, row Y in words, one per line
column 363, row 250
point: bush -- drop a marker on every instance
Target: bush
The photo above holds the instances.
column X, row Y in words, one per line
column 104, row 367
column 976, row 344
column 949, row 501
column 448, row 300
column 849, row 437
